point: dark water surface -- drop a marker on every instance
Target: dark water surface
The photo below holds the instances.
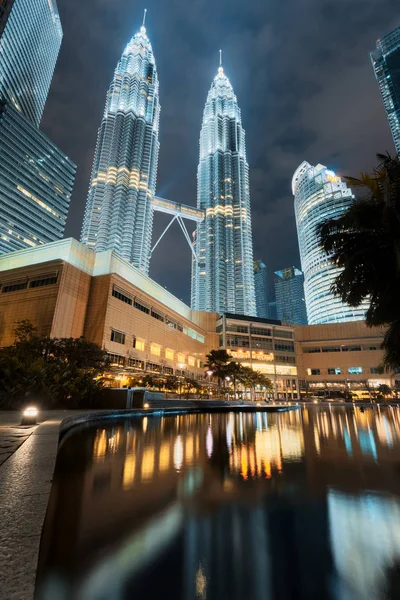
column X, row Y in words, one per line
column 300, row 505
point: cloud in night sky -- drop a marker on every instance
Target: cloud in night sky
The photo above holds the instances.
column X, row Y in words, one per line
column 302, row 75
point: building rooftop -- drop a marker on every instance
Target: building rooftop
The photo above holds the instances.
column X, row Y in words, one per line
column 73, row 252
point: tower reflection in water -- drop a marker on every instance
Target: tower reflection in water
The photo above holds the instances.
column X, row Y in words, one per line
column 303, row 504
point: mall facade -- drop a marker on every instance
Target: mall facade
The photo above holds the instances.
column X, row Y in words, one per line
column 66, row 290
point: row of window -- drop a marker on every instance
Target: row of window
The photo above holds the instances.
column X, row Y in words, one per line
column 37, row 281
column 139, row 344
column 258, row 343
column 339, row 371
column 125, row 297
column 256, row 331
column 123, row 361
column 318, row 349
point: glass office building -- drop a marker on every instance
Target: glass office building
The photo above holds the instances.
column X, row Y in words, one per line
column 36, row 181
column 386, row 64
column 261, row 289
column 5, row 9
column 29, row 49
column 119, row 214
column 222, row 270
column 319, row 194
column 289, row 292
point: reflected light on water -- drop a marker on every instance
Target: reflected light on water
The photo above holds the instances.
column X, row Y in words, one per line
column 178, row 453
column 254, row 494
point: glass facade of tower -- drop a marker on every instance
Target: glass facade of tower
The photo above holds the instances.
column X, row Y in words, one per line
column 119, row 214
column 290, row 301
column 261, row 289
column 319, row 195
column 29, row 49
column 5, row 9
column 222, row 271
column 36, row 182
column 386, row 63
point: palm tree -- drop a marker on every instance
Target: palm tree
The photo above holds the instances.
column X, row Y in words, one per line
column 217, row 361
column 234, row 370
column 365, row 243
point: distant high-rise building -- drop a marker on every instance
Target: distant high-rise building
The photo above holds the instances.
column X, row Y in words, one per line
column 5, row 9
column 36, row 181
column 386, row 63
column 261, row 289
column 29, row 48
column 222, row 271
column 319, row 194
column 289, row 291
column 119, row 214
column 273, row 313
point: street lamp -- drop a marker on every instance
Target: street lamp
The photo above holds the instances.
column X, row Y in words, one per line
column 209, row 373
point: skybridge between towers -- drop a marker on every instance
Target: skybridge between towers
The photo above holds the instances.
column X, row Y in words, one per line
column 179, row 212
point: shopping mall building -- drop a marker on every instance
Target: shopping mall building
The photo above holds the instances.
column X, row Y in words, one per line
column 66, row 290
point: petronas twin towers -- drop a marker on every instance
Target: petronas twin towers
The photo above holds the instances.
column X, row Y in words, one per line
column 119, row 211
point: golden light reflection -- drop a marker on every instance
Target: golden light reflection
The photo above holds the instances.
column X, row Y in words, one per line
column 129, row 472
column 100, row 444
column 178, row 453
column 148, row 464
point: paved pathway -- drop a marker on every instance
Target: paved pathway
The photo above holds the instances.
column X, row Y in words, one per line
column 12, row 435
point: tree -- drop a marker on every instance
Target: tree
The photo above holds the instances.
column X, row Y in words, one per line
column 63, row 371
column 217, row 361
column 365, row 243
column 384, row 390
column 234, row 370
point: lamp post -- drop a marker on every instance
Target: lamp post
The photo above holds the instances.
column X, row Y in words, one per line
column 209, row 373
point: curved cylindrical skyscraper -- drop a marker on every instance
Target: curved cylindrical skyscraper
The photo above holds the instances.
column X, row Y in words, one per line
column 222, row 271
column 319, row 194
column 119, row 214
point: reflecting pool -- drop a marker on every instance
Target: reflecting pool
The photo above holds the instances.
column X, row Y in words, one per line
column 299, row 505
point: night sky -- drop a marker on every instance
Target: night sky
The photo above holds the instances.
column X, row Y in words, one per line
column 300, row 69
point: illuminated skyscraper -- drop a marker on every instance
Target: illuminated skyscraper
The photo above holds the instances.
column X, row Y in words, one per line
column 289, row 291
column 386, row 63
column 118, row 212
column 222, row 270
column 319, row 195
column 36, row 178
column 29, row 48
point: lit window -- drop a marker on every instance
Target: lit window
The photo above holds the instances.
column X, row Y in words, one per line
column 169, row 354
column 313, row 372
column 355, row 370
column 139, row 344
column 181, row 358
column 155, row 349
column 334, row 371
column 191, row 361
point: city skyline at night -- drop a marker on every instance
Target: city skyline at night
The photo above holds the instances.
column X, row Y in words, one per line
column 343, row 131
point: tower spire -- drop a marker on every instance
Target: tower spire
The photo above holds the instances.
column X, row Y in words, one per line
column 144, row 17
column 220, row 58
